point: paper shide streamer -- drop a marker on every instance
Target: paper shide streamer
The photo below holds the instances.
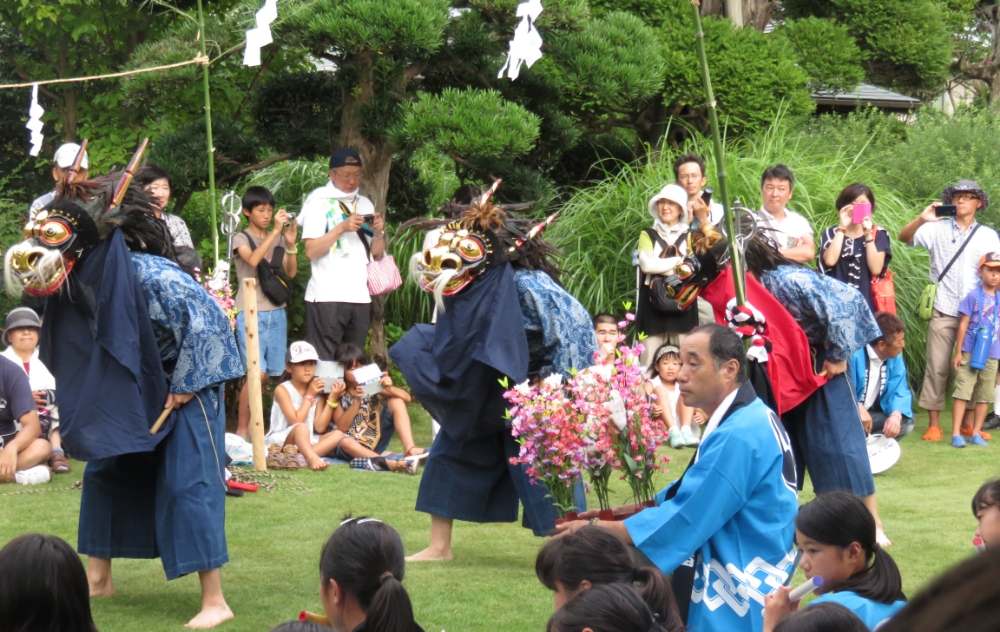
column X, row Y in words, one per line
column 35, row 122
column 526, row 47
column 260, row 36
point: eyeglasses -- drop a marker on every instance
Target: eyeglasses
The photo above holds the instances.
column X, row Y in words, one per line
column 354, row 177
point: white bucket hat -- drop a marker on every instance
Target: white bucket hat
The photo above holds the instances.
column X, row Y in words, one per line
column 671, row 192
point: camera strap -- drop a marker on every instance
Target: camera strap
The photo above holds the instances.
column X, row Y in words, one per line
column 959, row 253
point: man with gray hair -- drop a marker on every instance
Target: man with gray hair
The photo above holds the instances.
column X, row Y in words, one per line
column 725, row 528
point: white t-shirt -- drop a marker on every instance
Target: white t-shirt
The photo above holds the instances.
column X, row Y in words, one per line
column 789, row 231
column 341, row 275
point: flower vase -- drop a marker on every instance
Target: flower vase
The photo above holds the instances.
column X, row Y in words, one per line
column 650, row 503
column 571, row 516
column 606, row 514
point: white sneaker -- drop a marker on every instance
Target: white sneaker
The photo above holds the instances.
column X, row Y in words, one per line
column 688, row 437
column 33, row 475
column 676, row 438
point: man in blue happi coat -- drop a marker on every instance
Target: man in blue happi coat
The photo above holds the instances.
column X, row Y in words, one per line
column 129, row 334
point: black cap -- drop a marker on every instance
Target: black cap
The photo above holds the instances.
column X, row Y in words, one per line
column 345, row 157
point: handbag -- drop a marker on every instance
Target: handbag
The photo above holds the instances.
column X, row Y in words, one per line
column 925, row 306
column 884, row 291
column 273, row 279
column 658, row 296
column 383, row 275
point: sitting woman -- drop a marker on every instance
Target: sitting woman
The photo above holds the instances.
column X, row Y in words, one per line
column 361, row 569
column 592, row 556
column 369, row 421
column 23, row 452
column 21, row 337
column 43, row 587
column 661, row 248
column 854, row 252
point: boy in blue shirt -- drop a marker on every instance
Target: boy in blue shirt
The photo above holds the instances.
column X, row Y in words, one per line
column 979, row 310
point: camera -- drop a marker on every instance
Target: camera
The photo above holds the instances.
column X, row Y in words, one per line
column 369, row 219
column 706, row 195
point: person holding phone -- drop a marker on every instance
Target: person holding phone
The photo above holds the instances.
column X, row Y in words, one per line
column 956, row 244
column 856, row 249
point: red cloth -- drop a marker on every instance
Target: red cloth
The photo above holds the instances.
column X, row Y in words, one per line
column 789, row 362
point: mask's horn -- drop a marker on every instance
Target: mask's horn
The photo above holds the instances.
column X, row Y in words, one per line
column 486, row 196
column 537, row 229
column 127, row 176
column 75, row 167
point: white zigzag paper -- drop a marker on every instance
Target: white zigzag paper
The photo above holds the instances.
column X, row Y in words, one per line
column 260, row 36
column 526, row 47
column 35, row 124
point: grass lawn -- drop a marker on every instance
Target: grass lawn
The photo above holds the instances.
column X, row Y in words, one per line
column 275, row 540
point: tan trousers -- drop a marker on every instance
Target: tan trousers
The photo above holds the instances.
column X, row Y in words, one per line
column 941, row 332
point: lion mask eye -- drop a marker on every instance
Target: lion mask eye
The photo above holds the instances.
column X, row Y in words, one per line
column 53, row 232
column 470, row 249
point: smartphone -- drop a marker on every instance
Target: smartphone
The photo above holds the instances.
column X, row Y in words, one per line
column 860, row 212
column 946, row 210
column 706, row 196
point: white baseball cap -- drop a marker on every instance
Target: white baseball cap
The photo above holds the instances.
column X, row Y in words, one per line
column 301, row 351
column 66, row 154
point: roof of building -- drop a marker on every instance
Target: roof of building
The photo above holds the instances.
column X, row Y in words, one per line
column 867, row 94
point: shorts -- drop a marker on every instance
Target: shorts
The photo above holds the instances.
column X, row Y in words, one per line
column 272, row 330
column 975, row 385
column 4, row 438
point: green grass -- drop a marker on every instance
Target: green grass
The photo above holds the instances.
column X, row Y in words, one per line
column 275, row 540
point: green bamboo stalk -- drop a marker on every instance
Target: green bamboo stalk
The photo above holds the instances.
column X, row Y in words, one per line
column 208, row 139
column 739, row 276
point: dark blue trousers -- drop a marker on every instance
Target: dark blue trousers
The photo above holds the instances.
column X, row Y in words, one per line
column 170, row 503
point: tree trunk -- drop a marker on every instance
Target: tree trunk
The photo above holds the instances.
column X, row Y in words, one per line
column 734, row 11
column 69, row 94
column 757, row 13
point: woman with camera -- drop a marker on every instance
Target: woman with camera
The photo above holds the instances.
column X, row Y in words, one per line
column 856, row 250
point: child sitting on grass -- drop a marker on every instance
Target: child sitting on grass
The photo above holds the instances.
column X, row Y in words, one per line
column 979, row 310
column 836, row 534
column 299, row 408
column 608, row 608
column 361, row 569
column 663, row 384
column 368, row 422
column 986, row 509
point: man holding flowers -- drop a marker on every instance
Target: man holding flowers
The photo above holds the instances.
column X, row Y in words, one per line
column 724, row 529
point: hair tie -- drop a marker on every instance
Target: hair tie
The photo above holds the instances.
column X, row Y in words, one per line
column 386, row 575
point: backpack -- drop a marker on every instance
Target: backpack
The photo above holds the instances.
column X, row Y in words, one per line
column 658, row 296
column 271, row 277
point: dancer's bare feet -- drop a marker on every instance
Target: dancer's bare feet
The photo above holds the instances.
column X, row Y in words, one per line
column 210, row 616
column 881, row 538
column 214, row 609
column 99, row 577
column 431, row 554
column 316, row 463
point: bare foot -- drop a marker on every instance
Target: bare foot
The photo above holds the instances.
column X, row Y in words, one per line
column 316, row 463
column 101, row 587
column 881, row 538
column 431, row 555
column 210, row 616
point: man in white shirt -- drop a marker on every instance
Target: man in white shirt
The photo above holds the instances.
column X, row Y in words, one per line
column 61, row 163
column 689, row 174
column 943, row 238
column 789, row 230
column 339, row 229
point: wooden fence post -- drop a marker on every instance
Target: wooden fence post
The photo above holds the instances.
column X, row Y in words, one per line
column 253, row 375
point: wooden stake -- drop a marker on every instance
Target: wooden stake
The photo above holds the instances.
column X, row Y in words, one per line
column 253, row 375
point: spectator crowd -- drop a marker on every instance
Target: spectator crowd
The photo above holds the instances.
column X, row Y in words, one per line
column 603, row 577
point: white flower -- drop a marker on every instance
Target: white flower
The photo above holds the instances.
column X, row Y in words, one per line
column 555, row 380
column 524, row 388
column 616, row 406
column 603, row 370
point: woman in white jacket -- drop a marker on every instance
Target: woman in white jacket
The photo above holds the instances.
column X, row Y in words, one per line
column 661, row 248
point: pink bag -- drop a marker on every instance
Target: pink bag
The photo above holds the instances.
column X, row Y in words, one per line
column 383, row 276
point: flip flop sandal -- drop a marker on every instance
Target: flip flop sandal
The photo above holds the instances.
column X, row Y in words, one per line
column 59, row 464
column 413, row 463
column 291, row 457
column 274, row 460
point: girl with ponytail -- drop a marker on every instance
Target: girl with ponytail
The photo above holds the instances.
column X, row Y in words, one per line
column 836, row 534
column 593, row 556
column 608, row 608
column 362, row 568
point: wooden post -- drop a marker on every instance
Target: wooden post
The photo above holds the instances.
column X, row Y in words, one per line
column 253, row 375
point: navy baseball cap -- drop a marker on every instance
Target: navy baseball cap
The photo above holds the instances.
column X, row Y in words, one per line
column 345, row 157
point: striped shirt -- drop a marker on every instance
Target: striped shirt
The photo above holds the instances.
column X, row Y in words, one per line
column 943, row 239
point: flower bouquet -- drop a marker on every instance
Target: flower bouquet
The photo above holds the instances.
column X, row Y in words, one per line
column 597, row 456
column 543, row 423
column 218, row 287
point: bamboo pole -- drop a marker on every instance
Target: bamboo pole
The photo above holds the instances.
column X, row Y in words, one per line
column 253, row 375
column 208, row 137
column 739, row 276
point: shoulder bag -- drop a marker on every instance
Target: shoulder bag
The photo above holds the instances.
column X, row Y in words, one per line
column 884, row 289
column 658, row 296
column 925, row 306
column 271, row 277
